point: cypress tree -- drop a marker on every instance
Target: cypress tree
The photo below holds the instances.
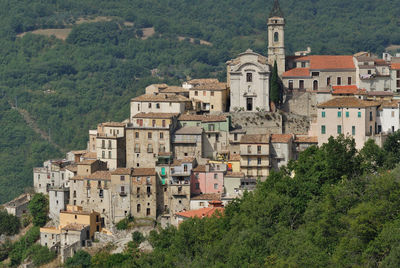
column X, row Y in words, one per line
column 275, row 88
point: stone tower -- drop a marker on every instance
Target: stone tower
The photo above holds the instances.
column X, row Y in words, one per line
column 276, row 38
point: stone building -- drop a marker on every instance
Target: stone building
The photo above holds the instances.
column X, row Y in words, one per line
column 77, row 215
column 255, row 155
column 188, row 141
column 52, row 174
column 58, row 201
column 276, row 38
column 387, row 118
column 121, row 189
column 208, row 97
column 234, row 139
column 110, row 144
column 160, row 103
column 216, row 132
column 395, row 76
column 148, row 138
column 281, row 150
column 248, row 80
column 18, row 206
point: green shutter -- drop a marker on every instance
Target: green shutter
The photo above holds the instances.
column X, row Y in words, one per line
column 323, row 114
column 323, row 130
column 347, row 114
column 339, row 114
column 353, row 130
column 359, row 114
column 339, row 129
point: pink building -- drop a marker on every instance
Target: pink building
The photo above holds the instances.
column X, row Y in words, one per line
column 207, row 179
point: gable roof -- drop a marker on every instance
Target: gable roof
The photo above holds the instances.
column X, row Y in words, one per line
column 255, row 138
column 174, row 89
column 162, row 97
column 201, row 213
column 329, row 62
column 306, row 139
column 281, row 138
column 297, row 72
column 202, row 118
column 395, row 66
column 347, row 102
column 155, row 115
column 211, row 86
column 349, row 89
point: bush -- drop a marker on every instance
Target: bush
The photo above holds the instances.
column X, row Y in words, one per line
column 137, row 237
column 81, row 259
column 124, row 223
column 9, row 224
column 40, row 255
column 39, row 207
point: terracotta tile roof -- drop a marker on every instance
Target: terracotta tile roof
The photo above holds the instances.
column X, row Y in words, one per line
column 156, row 115
column 160, row 98
column 380, row 93
column 255, row 138
column 99, row 175
column 203, row 118
column 72, row 168
column 329, row 62
column 213, row 196
column 144, row 172
column 390, row 104
column 381, row 62
column 201, row 213
column 121, row 171
column 203, row 81
column 281, row 138
column 234, row 174
column 306, row 139
column 87, row 162
column 200, row 168
column 178, row 162
column 395, row 66
column 74, row 227
column 91, row 155
column 113, row 124
column 350, row 89
column 297, row 72
column 347, row 102
column 79, row 152
column 211, row 86
column 189, row 130
column 174, row 89
column 234, row 157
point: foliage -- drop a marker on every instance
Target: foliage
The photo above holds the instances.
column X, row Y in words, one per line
column 39, row 207
column 276, row 90
column 124, row 223
column 9, row 224
column 137, row 237
column 21, row 249
column 81, row 259
column 40, row 254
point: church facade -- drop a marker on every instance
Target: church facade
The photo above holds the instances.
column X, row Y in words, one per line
column 248, row 75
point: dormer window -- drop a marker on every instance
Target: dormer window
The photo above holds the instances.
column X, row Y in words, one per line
column 249, row 77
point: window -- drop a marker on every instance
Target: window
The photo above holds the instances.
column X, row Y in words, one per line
column 258, row 148
column 339, row 81
column 339, row 129
column 122, row 178
column 339, row 114
column 249, row 77
column 370, row 130
column 196, row 93
column 149, row 148
column 157, row 105
column 122, row 189
column 249, row 149
column 315, row 73
column 249, row 102
column 359, row 114
column 185, row 168
column 347, row 114
column 315, row 85
column 276, row 37
column 153, row 123
column 398, row 73
column 163, row 123
column 103, row 154
column 161, row 135
column 259, row 161
column 323, row 130
column 74, row 195
column 323, row 114
column 215, row 186
column 290, row 84
column 103, row 144
column 370, row 116
column 211, row 127
column 148, row 189
column 138, row 107
column 248, row 161
column 392, row 113
column 235, row 137
column 149, row 104
column 147, row 211
column 197, row 186
column 215, row 176
column 138, row 190
column 138, row 208
column 303, row 64
column 398, row 83
column 353, row 130
column 369, row 71
column 76, row 217
column 301, row 84
column 204, row 93
column 109, row 154
column 149, row 135
column 137, row 135
column 212, row 93
column 328, row 81
column 349, row 80
column 137, row 148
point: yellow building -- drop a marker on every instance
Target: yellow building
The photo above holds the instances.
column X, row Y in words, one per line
column 233, row 163
column 75, row 214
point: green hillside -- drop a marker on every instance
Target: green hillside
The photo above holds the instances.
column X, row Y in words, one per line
column 68, row 86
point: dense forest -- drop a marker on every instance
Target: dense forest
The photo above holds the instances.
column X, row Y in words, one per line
column 69, row 86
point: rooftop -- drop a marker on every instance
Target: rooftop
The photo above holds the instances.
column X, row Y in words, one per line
column 79, row 152
column 255, row 138
column 174, row 89
column 160, row 98
column 122, row 171
column 156, row 115
column 87, row 162
column 297, row 72
column 213, row 196
column 281, row 138
column 203, row 81
column 99, row 175
column 329, row 62
column 211, row 86
column 395, row 66
column 306, row 139
column 187, row 130
column 347, row 102
column 201, row 213
column 112, row 124
column 144, row 172
column 90, row 155
column 74, row 227
column 200, row 168
column 380, row 93
column 203, row 118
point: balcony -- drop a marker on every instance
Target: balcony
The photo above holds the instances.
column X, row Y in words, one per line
column 123, row 193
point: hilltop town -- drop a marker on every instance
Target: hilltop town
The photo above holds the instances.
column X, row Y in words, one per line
column 187, row 151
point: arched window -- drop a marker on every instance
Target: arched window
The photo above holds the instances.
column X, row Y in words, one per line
column 138, row 208
column 315, row 85
column 276, row 37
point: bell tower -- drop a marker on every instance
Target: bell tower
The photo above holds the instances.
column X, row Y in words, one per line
column 276, row 38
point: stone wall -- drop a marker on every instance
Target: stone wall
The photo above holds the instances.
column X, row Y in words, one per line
column 301, row 103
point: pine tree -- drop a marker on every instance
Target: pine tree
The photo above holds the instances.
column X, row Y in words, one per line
column 275, row 93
